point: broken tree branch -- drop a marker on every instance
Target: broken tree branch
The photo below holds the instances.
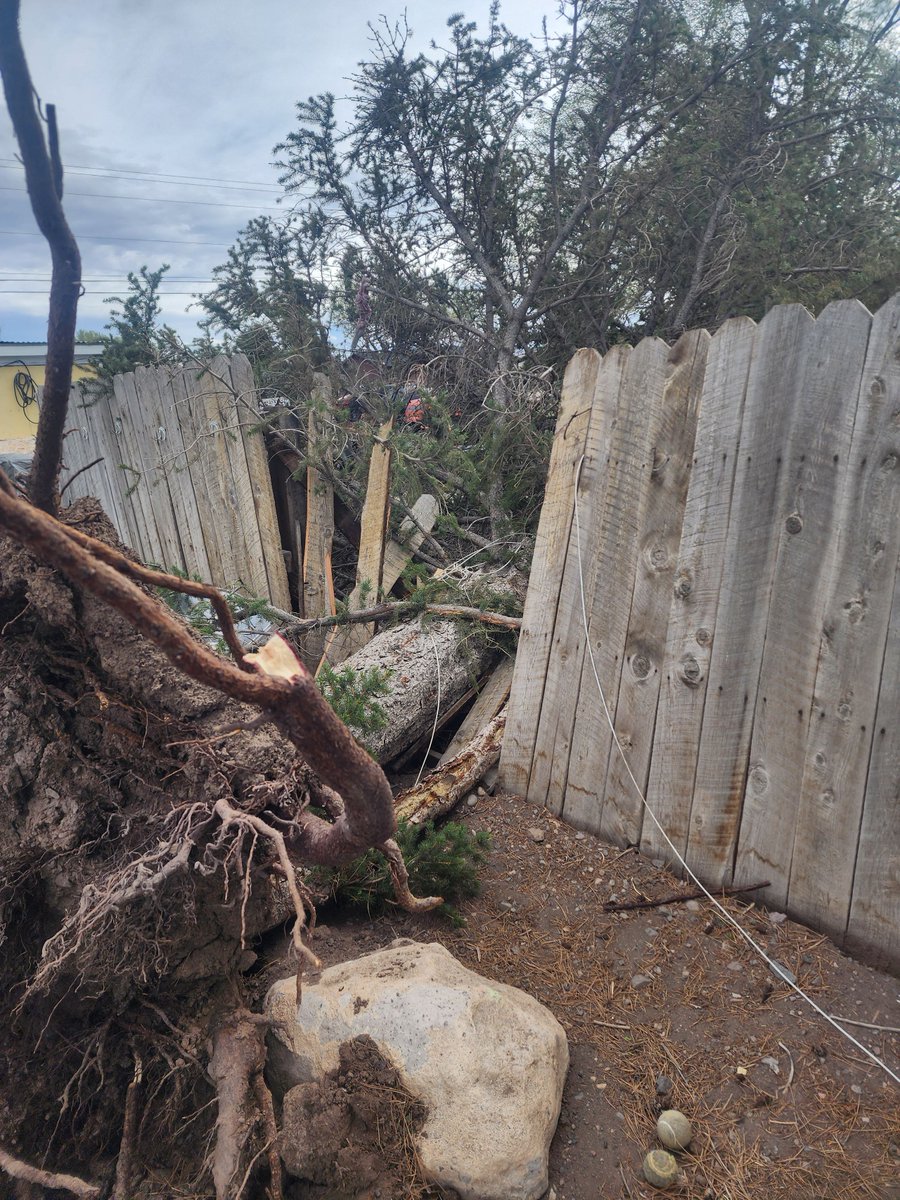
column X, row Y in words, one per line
column 442, row 789
column 43, row 178
column 678, row 897
column 397, row 608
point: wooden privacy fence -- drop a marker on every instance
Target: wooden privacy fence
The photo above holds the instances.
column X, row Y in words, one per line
column 176, row 460
column 729, row 510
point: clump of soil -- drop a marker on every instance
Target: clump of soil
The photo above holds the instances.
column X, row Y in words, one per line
column 353, row 1133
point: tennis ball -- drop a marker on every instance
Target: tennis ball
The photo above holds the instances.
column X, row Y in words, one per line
column 674, row 1130
column 660, row 1169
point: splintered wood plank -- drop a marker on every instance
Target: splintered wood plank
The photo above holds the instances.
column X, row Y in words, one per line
column 658, row 543
column 695, row 588
column 318, row 585
column 546, row 571
column 874, row 924
column 806, row 528
column 615, row 553
column 151, row 432
column 857, row 612
column 397, row 553
column 173, row 463
column 260, row 482
column 549, row 767
column 137, row 483
column 493, row 695
column 198, row 459
column 758, row 504
column 346, row 640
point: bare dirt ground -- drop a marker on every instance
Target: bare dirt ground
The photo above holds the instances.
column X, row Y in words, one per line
column 668, row 1007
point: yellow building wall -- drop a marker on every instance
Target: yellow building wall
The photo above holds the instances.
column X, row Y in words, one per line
column 14, row 423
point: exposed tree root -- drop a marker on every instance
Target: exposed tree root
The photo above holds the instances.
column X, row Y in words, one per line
column 45, row 1179
column 236, row 1065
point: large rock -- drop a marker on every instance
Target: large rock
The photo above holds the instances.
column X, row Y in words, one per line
column 488, row 1060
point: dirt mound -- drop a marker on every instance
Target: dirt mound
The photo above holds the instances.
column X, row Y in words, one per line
column 353, row 1134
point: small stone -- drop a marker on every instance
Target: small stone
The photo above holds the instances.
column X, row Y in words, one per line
column 471, row 801
column 692, row 906
column 734, row 965
column 856, row 1089
column 579, row 836
column 781, row 972
column 481, row 792
column 639, row 981
column 674, row 1130
column 660, row 1169
column 777, row 918
column 663, row 1085
column 536, row 835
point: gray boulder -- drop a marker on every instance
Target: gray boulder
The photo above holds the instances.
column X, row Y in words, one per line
column 487, row 1059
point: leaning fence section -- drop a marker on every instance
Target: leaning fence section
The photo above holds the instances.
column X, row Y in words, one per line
column 718, row 556
column 177, row 459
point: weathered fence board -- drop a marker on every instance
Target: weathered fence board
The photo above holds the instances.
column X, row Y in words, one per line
column 634, row 435
column 182, row 475
column 737, row 650
column 658, row 542
column 814, row 464
column 556, row 716
column 857, row 611
column 695, row 589
column 738, row 509
column 552, row 539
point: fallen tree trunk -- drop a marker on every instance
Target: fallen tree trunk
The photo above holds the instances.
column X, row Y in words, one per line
column 441, row 790
column 432, row 665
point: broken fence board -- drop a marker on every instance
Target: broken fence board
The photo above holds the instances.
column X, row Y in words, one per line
column 398, row 553
column 491, row 698
column 346, row 640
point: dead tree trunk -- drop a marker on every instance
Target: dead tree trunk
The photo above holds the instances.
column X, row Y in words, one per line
column 432, row 665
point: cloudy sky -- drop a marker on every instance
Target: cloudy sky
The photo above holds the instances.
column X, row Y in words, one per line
column 168, row 113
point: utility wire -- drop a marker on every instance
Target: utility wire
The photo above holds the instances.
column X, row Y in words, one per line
column 97, row 237
column 159, row 200
column 156, row 176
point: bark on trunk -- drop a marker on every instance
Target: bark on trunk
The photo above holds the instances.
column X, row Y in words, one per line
column 441, row 790
column 432, row 664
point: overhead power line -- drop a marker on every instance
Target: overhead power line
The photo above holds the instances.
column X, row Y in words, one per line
column 159, row 200
column 121, row 172
column 96, row 237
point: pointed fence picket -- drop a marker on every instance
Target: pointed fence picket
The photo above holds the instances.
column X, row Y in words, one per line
column 177, row 459
column 735, row 549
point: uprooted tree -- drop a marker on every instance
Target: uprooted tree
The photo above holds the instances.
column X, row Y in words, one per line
column 155, row 799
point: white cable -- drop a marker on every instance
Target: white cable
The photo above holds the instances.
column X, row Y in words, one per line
column 437, row 711
column 774, row 966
